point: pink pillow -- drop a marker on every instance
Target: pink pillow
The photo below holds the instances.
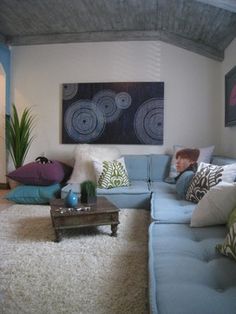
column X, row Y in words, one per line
column 35, row 173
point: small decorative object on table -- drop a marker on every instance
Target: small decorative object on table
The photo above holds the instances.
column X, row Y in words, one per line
column 88, row 192
column 71, row 199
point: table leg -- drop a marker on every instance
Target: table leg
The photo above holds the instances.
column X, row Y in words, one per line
column 58, row 236
column 114, row 230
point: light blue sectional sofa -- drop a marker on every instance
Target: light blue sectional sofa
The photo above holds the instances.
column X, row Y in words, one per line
column 186, row 274
column 142, row 170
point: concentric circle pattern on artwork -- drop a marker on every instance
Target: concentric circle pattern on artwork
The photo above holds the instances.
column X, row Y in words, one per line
column 84, row 122
column 148, row 122
column 105, row 102
column 123, row 100
column 69, row 91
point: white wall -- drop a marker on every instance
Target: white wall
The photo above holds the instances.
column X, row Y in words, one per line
column 192, row 106
column 228, row 134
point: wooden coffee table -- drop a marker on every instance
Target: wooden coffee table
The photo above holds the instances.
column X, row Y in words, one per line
column 101, row 213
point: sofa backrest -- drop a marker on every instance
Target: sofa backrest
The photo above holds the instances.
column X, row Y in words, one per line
column 153, row 167
column 222, row 160
column 159, row 167
column 137, row 167
column 156, row 167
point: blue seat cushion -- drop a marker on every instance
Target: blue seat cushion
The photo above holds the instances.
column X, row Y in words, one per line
column 222, row 161
column 169, row 208
column 162, row 187
column 136, row 187
column 186, row 273
column 137, row 195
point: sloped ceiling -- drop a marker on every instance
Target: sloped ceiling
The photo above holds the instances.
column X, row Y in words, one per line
column 203, row 26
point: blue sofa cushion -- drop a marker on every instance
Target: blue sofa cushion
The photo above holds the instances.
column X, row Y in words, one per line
column 221, row 160
column 167, row 208
column 136, row 187
column 162, row 187
column 137, row 167
column 159, row 166
column 186, row 273
column 137, row 195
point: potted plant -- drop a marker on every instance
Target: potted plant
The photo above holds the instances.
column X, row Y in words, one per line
column 18, row 132
column 88, row 192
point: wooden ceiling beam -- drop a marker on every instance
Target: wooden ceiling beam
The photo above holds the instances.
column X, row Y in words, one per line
column 229, row 5
column 119, row 36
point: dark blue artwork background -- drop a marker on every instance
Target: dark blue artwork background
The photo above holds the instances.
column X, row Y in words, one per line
column 120, row 131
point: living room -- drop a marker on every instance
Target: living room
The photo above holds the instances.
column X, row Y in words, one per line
column 194, row 95
column 194, row 90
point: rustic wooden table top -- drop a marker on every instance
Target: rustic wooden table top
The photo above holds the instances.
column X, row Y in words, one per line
column 102, row 205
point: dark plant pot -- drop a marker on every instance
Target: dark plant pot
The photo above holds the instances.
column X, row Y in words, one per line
column 88, row 192
column 85, row 199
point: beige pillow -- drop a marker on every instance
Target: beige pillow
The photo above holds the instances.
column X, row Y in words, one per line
column 215, row 207
column 84, row 156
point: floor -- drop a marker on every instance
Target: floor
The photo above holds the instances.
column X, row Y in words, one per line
column 3, row 202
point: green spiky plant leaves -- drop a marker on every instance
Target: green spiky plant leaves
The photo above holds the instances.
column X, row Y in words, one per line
column 88, row 192
column 19, row 138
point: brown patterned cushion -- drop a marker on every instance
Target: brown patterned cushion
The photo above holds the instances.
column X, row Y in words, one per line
column 208, row 176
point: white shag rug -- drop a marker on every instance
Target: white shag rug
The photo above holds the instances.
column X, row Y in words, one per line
column 88, row 272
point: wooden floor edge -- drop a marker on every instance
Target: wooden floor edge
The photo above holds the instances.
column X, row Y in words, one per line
column 4, row 186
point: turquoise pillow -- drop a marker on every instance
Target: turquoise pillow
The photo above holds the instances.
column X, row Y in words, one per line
column 32, row 194
column 183, row 182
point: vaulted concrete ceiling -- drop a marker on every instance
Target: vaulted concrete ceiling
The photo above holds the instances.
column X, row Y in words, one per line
column 203, row 26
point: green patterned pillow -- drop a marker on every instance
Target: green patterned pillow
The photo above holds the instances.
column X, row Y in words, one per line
column 232, row 218
column 228, row 248
column 111, row 174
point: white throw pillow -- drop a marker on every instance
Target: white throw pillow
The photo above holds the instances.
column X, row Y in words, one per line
column 216, row 205
column 228, row 171
column 205, row 156
column 84, row 156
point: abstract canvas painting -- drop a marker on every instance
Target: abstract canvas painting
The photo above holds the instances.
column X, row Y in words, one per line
column 113, row 113
column 230, row 98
